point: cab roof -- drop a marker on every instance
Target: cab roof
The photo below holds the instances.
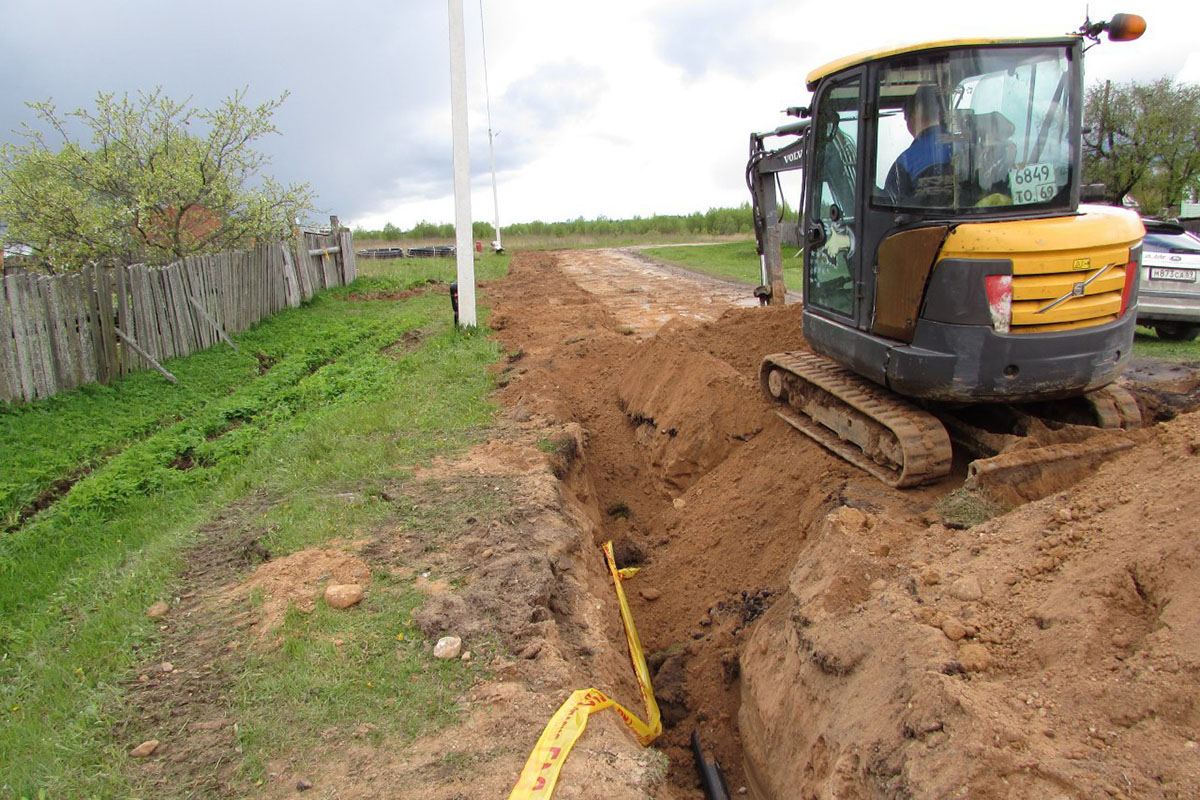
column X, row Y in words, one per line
column 887, row 52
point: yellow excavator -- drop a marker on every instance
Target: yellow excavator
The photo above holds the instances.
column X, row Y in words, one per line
column 948, row 261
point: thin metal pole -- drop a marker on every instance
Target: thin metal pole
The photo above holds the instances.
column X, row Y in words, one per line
column 462, row 167
column 498, row 245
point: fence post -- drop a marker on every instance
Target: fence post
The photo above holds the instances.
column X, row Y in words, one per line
column 10, row 379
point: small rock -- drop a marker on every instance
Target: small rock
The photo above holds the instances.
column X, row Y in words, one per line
column 466, row 656
column 303, row 786
column 930, row 576
column 953, row 629
column 966, row 589
column 852, row 519
column 213, row 725
column 974, row 657
column 650, row 593
column 447, row 647
column 158, row 610
column 167, row 666
column 145, row 749
column 343, row 595
column 679, row 503
column 487, row 554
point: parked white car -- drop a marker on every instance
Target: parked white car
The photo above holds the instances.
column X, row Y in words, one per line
column 1169, row 296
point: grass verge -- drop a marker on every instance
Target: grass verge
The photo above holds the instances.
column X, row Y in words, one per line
column 733, row 260
column 1147, row 343
column 340, row 409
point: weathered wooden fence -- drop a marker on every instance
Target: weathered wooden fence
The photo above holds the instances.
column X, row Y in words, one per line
column 62, row 331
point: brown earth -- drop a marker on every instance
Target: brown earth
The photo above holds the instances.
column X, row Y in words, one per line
column 830, row 630
column 825, row 635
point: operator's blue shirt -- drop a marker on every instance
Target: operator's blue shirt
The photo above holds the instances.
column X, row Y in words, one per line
column 929, row 149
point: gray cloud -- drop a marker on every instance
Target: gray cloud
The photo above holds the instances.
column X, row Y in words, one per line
column 366, row 81
column 712, row 36
column 554, row 95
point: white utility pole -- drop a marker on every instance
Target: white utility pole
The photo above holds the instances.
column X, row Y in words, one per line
column 462, row 167
column 497, row 245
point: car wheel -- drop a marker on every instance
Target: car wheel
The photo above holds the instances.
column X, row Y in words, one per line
column 1177, row 331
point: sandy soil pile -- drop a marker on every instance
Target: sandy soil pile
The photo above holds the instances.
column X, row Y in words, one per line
column 1052, row 652
column 831, row 631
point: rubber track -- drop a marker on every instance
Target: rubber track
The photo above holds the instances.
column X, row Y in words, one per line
column 1115, row 407
column 923, row 439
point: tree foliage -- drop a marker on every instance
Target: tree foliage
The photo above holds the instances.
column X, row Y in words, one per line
column 158, row 180
column 1144, row 140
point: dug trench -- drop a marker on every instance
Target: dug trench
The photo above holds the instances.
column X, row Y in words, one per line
column 826, row 635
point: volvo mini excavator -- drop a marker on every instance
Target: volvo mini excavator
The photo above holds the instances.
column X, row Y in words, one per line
column 948, row 261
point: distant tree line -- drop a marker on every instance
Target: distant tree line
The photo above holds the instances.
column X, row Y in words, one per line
column 714, row 222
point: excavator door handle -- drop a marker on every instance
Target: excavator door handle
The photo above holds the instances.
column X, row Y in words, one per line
column 816, row 234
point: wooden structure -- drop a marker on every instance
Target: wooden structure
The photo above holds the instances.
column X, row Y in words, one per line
column 58, row 332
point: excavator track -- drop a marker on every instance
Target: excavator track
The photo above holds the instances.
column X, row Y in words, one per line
column 857, row 420
column 1115, row 407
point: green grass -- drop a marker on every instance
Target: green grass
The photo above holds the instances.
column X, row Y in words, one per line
column 1147, row 343
column 734, row 260
column 339, row 669
column 340, row 410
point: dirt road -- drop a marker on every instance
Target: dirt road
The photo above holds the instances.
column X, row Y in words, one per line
column 645, row 295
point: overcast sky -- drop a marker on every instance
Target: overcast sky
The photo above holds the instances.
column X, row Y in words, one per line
column 612, row 108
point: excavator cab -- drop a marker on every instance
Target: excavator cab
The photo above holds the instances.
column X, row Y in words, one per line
column 947, row 257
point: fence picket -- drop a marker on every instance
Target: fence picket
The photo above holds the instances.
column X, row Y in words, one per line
column 10, row 377
column 124, row 317
column 42, row 288
column 90, row 319
column 107, row 319
column 77, row 328
column 22, row 338
column 58, row 371
column 166, row 335
column 143, row 331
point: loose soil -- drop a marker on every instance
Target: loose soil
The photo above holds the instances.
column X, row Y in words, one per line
column 825, row 636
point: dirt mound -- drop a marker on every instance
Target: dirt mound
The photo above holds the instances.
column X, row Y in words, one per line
column 670, row 387
column 830, row 630
column 298, row 580
column 1050, row 652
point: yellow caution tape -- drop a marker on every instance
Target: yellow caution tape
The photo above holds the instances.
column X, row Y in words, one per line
column 568, row 723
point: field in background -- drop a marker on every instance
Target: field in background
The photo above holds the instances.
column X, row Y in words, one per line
column 736, row 260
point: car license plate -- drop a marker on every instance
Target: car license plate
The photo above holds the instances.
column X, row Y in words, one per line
column 1169, row 274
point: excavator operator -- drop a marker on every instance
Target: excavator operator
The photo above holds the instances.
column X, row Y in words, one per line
column 923, row 174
